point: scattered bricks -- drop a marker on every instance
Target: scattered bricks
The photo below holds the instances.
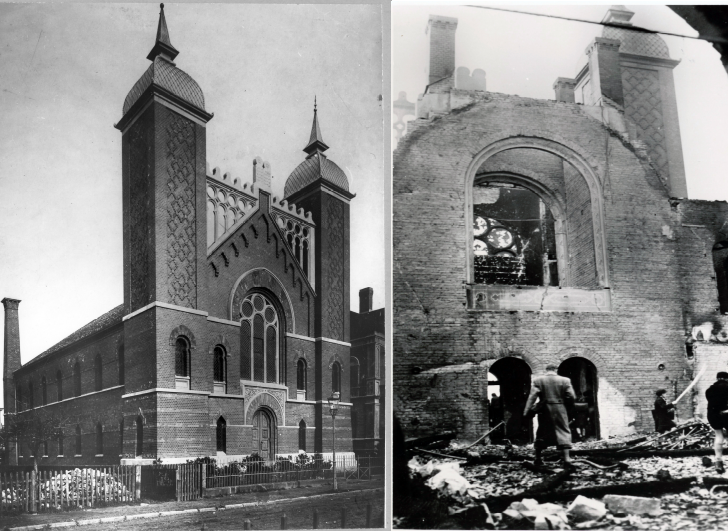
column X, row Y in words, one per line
column 632, row 505
column 583, row 509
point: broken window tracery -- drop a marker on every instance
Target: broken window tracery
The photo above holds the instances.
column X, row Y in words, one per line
column 514, row 240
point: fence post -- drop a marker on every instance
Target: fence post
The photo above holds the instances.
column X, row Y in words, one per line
column 177, row 483
column 138, row 482
column 343, row 518
column 284, row 521
column 369, row 515
column 315, row 519
column 203, row 479
column 33, row 494
column 246, row 524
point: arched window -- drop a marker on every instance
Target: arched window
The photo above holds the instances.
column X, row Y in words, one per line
column 120, row 357
column 302, row 435
column 219, row 367
column 221, row 435
column 182, row 363
column 210, row 223
column 77, row 379
column 19, row 406
column 31, row 404
column 59, row 385
column 354, row 377
column 336, row 377
column 78, row 439
column 99, row 439
column 43, row 391
column 139, row 436
column 98, row 373
column 301, row 379
column 259, row 340
column 60, row 442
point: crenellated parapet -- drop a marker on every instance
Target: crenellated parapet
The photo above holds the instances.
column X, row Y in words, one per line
column 229, row 200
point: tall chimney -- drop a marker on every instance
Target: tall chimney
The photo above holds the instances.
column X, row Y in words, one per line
column 365, row 300
column 442, row 46
column 564, row 89
column 11, row 355
column 605, row 70
column 11, row 363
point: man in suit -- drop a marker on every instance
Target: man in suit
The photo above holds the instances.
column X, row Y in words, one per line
column 554, row 394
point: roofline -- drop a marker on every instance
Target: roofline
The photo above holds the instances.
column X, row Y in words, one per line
column 327, row 187
column 76, row 343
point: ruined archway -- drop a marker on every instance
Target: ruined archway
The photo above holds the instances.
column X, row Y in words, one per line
column 585, row 380
column 514, row 379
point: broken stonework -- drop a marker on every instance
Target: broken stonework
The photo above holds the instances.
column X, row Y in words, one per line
column 583, row 509
column 633, row 504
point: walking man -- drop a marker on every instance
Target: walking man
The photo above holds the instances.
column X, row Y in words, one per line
column 554, row 394
column 717, row 395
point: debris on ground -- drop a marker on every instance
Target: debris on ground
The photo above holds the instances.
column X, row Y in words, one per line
column 632, row 505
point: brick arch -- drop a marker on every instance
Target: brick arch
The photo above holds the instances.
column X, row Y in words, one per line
column 261, row 279
column 525, row 357
column 220, row 339
column 335, row 358
column 560, row 147
column 266, row 401
column 182, row 330
column 575, row 352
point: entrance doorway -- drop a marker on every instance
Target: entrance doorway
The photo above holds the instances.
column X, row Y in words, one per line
column 264, row 431
column 514, row 383
column 583, row 376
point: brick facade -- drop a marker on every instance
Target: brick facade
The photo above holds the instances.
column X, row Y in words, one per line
column 640, row 266
column 164, row 384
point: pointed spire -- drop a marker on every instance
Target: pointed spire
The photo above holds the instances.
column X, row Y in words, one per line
column 163, row 46
column 316, row 142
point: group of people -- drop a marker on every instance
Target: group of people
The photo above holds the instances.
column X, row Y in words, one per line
column 552, row 394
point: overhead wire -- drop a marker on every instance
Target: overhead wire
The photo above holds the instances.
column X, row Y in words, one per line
column 606, row 24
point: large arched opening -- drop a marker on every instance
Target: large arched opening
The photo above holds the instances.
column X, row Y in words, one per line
column 514, row 383
column 584, row 380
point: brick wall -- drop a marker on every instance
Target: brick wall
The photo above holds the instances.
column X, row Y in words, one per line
column 442, row 46
column 434, row 329
column 580, row 230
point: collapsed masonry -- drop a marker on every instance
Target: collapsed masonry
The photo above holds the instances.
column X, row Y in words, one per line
column 530, row 232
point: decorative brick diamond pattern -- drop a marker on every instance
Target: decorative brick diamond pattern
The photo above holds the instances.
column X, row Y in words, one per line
column 139, row 226
column 181, row 244
column 334, row 306
column 643, row 104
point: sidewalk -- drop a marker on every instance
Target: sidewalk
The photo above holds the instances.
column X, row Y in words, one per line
column 64, row 519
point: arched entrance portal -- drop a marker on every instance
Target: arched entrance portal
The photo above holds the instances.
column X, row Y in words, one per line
column 514, row 379
column 264, row 434
column 583, row 376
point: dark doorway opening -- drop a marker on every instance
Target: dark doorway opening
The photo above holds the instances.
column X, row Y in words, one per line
column 264, row 431
column 583, row 376
column 514, row 379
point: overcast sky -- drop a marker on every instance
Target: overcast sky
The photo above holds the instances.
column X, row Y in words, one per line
column 524, row 55
column 66, row 69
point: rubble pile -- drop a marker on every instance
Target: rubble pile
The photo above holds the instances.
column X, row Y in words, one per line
column 76, row 487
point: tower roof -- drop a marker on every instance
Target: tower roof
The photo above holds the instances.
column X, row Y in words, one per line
column 315, row 142
column 635, row 42
column 164, row 73
column 316, row 166
column 162, row 46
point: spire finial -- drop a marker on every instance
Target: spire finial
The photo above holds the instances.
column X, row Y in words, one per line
column 316, row 142
column 163, row 46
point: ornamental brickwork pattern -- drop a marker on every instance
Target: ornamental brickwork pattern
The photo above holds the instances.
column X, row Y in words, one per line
column 335, row 270
column 643, row 104
column 138, row 223
column 181, row 217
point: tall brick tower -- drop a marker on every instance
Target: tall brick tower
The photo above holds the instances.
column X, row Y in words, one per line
column 163, row 150
column 442, row 46
column 11, row 363
column 321, row 187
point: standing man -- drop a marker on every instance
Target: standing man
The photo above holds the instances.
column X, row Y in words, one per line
column 717, row 395
column 664, row 412
column 554, row 394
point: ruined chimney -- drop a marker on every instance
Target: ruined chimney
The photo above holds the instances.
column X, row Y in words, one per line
column 605, row 70
column 564, row 89
column 442, row 46
column 366, row 296
column 11, row 357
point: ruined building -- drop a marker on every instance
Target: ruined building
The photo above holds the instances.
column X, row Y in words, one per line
column 234, row 328
column 529, row 232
